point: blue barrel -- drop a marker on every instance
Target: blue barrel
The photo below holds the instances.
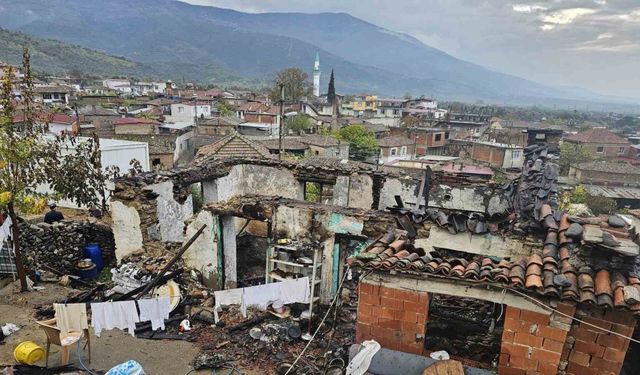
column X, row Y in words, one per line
column 89, row 272
column 93, row 252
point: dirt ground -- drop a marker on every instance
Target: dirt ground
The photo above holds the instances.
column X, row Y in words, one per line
column 169, row 357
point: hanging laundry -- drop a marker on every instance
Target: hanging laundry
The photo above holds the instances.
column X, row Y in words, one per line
column 155, row 310
column 289, row 291
column 5, row 229
column 110, row 315
column 71, row 317
column 226, row 298
column 294, row 291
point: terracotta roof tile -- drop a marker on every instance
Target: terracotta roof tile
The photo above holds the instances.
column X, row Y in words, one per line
column 599, row 136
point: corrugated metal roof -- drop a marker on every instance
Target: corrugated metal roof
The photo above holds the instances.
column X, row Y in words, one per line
column 613, row 191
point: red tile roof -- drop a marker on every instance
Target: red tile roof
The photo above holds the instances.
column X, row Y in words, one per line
column 57, row 118
column 599, row 136
column 133, row 121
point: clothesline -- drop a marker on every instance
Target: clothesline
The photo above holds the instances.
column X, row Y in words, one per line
column 110, row 315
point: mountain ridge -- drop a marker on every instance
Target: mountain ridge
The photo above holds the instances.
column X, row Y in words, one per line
column 258, row 45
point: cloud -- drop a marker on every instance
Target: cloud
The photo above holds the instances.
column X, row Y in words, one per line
column 589, row 43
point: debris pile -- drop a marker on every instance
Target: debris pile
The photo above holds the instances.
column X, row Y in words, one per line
column 61, row 245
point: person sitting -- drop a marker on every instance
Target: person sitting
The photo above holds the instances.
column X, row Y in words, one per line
column 53, row 216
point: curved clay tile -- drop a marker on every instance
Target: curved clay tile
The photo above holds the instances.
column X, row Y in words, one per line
column 564, row 223
column 545, row 210
column 547, row 279
column 567, row 268
column 377, row 249
column 603, row 283
column 605, row 300
column 387, row 238
column 618, row 280
column 551, row 238
column 533, row 281
column 550, row 223
column 486, row 264
column 486, row 275
column 585, row 282
column 633, row 280
column 588, row 297
column 534, row 259
column 563, row 240
column 504, row 264
column 550, row 250
column 444, row 268
column 388, row 252
column 564, row 253
column 550, row 263
column 432, row 265
column 618, row 297
column 457, row 271
column 502, row 275
column 472, row 271
column 397, row 244
column 571, row 292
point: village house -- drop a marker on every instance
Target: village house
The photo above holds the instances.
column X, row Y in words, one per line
column 506, row 156
column 428, row 141
column 601, row 143
column 619, row 181
column 395, row 147
column 326, row 146
column 122, row 86
column 101, row 118
column 188, row 112
column 168, row 143
column 291, row 146
column 52, row 95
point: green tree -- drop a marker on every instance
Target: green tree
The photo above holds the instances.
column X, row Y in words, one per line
column 224, row 108
column 31, row 158
column 407, row 96
column 299, row 123
column 572, row 154
column 295, row 85
column 331, row 92
column 362, row 142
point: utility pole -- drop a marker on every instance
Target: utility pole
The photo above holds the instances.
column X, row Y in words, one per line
column 281, row 127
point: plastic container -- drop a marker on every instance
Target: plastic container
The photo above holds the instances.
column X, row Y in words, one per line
column 28, row 353
column 93, row 252
column 87, row 270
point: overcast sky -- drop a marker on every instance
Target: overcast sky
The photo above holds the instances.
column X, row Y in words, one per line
column 593, row 44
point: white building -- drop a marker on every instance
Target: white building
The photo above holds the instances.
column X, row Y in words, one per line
column 187, row 112
column 316, row 76
column 120, row 85
column 146, row 88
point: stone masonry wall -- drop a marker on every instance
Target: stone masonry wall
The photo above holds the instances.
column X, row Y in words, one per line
column 395, row 318
column 591, row 351
column 533, row 343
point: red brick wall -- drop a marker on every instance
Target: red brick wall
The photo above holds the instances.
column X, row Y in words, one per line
column 591, row 351
column 532, row 343
column 492, row 155
column 395, row 318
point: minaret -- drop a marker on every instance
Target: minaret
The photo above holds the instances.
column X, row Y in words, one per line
column 316, row 76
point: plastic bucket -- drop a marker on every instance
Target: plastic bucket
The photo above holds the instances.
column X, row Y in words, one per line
column 28, row 353
column 93, row 252
column 89, row 272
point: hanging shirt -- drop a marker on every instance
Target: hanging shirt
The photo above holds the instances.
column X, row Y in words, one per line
column 5, row 229
column 226, row 298
column 110, row 315
column 155, row 310
column 289, row 291
column 71, row 317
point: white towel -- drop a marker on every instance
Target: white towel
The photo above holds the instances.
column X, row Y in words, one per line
column 71, row 317
column 110, row 315
column 294, row 291
column 155, row 310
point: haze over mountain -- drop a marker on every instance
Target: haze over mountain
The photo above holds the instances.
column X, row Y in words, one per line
column 366, row 58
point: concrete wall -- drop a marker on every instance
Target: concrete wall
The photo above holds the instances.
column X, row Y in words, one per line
column 252, row 179
column 171, row 214
column 126, row 229
column 469, row 198
column 203, row 253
